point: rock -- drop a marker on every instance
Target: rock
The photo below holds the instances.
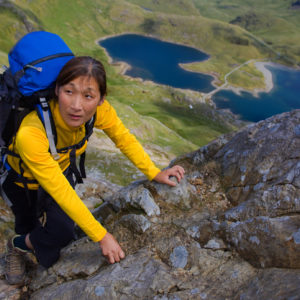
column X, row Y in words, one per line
column 95, row 191
column 138, row 276
column 267, row 242
column 272, row 284
column 179, row 257
column 198, row 226
column 136, row 223
column 103, row 212
column 229, row 230
column 9, row 292
column 181, row 195
column 81, row 258
column 6, row 224
column 215, row 244
column 214, row 275
column 262, row 154
column 260, row 170
column 207, row 152
column 135, row 196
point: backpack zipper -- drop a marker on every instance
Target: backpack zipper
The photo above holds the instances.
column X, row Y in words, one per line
column 39, row 69
column 40, row 60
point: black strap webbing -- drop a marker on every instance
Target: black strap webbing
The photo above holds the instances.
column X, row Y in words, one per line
column 73, row 166
column 24, row 182
column 81, row 165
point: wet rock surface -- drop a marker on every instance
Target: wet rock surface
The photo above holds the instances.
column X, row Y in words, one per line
column 229, row 230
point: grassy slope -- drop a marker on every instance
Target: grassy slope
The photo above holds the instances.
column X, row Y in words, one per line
column 275, row 31
column 82, row 22
column 277, row 24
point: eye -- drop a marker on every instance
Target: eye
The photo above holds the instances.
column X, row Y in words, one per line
column 68, row 91
column 89, row 96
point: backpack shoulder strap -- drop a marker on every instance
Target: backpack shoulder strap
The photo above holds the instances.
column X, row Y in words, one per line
column 45, row 115
column 79, row 173
column 89, row 126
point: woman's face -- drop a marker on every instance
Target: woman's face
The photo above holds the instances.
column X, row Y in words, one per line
column 78, row 100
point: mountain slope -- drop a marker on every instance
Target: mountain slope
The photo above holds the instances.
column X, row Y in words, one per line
column 82, row 22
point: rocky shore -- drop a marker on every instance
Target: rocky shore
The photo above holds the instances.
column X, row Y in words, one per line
column 261, row 66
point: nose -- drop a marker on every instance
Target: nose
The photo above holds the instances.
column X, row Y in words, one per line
column 76, row 103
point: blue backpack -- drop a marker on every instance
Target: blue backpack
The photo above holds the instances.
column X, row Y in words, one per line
column 34, row 64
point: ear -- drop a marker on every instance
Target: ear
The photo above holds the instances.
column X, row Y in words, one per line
column 56, row 90
column 101, row 100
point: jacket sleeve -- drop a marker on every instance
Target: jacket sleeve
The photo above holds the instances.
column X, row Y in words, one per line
column 113, row 127
column 34, row 152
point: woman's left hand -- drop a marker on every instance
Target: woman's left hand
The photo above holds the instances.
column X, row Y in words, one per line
column 164, row 176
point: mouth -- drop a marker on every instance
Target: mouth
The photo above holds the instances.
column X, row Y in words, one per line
column 74, row 117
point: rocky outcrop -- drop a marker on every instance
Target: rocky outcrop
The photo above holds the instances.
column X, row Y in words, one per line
column 261, row 176
column 229, row 230
column 30, row 21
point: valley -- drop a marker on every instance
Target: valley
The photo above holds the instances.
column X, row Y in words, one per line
column 218, row 29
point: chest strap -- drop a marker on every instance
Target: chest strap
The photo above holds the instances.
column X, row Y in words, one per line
column 79, row 173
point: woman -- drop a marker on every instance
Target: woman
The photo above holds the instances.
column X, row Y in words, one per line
column 80, row 94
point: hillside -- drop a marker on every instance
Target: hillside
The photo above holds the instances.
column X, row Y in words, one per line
column 160, row 116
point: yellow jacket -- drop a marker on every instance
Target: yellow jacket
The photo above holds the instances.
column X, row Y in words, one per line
column 32, row 145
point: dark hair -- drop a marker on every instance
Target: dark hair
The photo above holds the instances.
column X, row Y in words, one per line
column 83, row 66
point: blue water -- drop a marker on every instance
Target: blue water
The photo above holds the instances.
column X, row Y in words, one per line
column 156, row 60
column 284, row 96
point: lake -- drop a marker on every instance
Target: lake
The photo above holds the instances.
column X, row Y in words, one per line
column 283, row 97
column 158, row 61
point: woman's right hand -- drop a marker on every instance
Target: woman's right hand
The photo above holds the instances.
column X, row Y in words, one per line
column 111, row 248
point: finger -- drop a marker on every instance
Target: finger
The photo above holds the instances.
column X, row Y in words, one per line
column 180, row 173
column 121, row 254
column 170, row 182
column 117, row 257
column 180, row 170
column 178, row 176
column 177, row 172
column 111, row 258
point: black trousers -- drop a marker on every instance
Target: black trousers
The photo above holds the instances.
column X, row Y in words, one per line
column 49, row 238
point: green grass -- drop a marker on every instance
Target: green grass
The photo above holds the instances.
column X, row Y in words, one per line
column 177, row 7
column 9, row 31
column 161, row 116
column 277, row 24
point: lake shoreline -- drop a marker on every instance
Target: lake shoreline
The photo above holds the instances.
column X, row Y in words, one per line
column 251, row 104
column 149, row 36
column 261, row 66
column 268, row 78
column 123, row 67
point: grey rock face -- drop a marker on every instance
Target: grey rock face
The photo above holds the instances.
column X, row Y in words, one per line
column 260, row 172
column 139, row 276
column 137, row 223
column 267, row 242
column 272, row 284
column 135, row 196
column 94, row 191
column 229, row 230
